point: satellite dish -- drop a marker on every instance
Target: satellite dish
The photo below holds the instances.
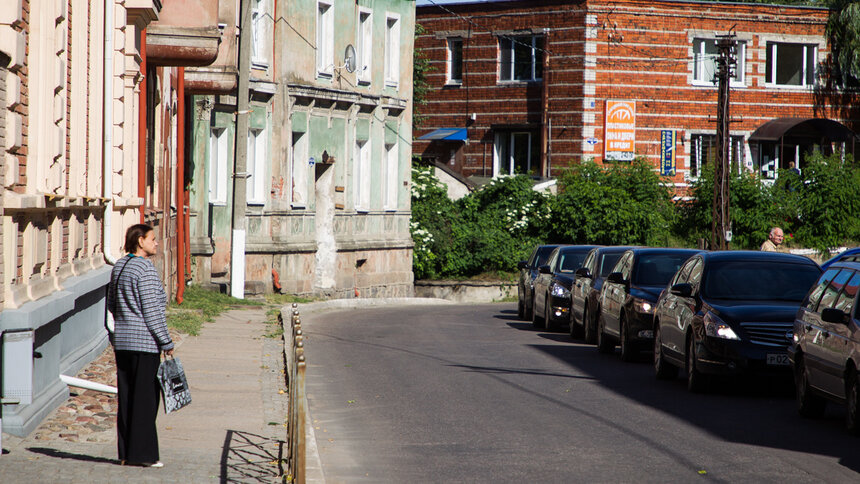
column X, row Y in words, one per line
column 349, row 58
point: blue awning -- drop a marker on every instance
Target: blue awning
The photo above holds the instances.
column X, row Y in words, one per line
column 448, row 134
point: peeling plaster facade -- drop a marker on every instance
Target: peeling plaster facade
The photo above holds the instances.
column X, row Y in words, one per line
column 329, row 214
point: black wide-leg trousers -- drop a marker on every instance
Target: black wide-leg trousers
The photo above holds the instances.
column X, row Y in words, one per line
column 138, row 392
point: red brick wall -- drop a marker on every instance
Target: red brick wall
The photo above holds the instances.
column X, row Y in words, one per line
column 642, row 51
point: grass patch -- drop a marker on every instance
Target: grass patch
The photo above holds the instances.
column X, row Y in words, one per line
column 201, row 306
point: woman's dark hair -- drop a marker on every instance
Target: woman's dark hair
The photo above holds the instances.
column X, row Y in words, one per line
column 133, row 235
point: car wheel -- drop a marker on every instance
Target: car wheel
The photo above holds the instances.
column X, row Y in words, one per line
column 521, row 308
column 696, row 381
column 575, row 329
column 662, row 368
column 589, row 327
column 628, row 352
column 605, row 344
column 528, row 310
column 852, row 416
column 537, row 321
column 809, row 404
column 548, row 322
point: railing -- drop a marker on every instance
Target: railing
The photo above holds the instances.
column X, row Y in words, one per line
column 294, row 356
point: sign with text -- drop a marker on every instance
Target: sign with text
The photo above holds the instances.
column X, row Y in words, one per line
column 620, row 130
column 668, row 137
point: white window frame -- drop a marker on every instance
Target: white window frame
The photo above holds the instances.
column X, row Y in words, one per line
column 256, row 167
column 218, row 156
column 738, row 142
column 510, row 163
column 361, row 175
column 392, row 49
column 364, row 38
column 513, row 40
column 390, row 171
column 449, row 44
column 300, row 169
column 772, row 55
column 325, row 38
column 701, row 59
column 259, row 47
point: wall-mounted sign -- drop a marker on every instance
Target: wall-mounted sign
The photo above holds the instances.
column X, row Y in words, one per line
column 667, row 152
column 311, row 161
column 619, row 127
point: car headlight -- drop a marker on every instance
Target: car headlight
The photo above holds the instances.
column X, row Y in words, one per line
column 717, row 328
column 558, row 290
column 643, row 306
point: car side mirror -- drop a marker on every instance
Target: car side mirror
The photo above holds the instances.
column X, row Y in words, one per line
column 615, row 278
column 583, row 272
column 835, row 316
column 522, row 264
column 682, row 290
column 544, row 269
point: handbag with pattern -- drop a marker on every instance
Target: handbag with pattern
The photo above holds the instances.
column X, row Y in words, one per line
column 174, row 385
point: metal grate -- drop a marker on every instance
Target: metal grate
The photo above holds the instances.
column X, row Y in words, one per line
column 769, row 334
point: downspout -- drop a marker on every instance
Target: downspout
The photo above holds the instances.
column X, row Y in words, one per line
column 180, row 186
column 107, row 148
column 141, row 130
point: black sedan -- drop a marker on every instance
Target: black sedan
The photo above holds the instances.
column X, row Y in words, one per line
column 629, row 294
column 584, row 305
column 728, row 313
column 552, row 286
column 525, row 283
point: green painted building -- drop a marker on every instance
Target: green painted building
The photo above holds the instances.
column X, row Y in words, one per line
column 329, row 150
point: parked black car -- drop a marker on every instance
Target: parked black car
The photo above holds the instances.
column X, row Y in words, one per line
column 825, row 353
column 628, row 297
column 586, row 291
column 730, row 312
column 552, row 286
column 525, row 284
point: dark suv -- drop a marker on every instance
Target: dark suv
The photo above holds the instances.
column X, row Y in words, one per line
column 528, row 273
column 824, row 352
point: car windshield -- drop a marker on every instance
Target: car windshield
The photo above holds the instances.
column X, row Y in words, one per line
column 543, row 254
column 658, row 269
column 570, row 261
column 758, row 281
column 607, row 262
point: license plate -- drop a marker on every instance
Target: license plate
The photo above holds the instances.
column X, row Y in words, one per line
column 777, row 359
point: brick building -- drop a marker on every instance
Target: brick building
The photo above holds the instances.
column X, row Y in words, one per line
column 531, row 87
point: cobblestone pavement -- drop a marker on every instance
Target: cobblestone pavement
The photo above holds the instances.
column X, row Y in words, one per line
column 221, row 437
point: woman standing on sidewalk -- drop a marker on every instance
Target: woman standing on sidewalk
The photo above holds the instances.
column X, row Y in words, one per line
column 137, row 300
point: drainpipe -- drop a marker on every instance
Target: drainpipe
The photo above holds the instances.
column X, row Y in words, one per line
column 180, row 186
column 107, row 148
column 89, row 385
column 141, row 130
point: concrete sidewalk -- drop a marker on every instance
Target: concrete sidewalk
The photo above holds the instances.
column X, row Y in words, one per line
column 233, row 431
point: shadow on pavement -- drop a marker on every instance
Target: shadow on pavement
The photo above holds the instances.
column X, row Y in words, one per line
column 756, row 411
column 248, row 457
column 70, row 455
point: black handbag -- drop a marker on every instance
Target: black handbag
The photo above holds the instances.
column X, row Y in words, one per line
column 174, row 385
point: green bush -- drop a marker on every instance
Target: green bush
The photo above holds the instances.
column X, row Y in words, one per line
column 614, row 205
column 624, row 204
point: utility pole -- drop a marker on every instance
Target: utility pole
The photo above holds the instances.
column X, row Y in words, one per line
column 240, row 175
column 721, row 225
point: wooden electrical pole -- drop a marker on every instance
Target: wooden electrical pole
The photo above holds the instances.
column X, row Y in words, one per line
column 721, row 226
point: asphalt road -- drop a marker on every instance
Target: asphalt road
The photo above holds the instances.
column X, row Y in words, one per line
column 468, row 393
